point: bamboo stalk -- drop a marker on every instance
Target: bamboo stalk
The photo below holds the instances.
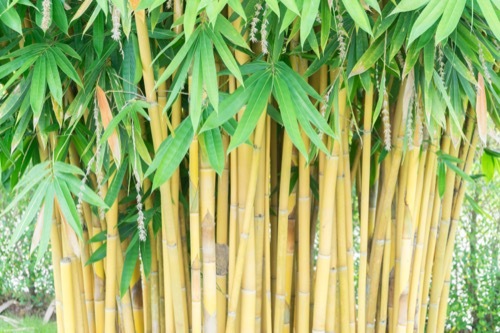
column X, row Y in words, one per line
column 67, row 294
column 364, row 208
column 207, row 209
column 244, row 233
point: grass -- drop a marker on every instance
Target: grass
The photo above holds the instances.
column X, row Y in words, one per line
column 11, row 323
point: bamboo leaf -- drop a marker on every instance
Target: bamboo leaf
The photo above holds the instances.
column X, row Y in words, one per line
column 10, row 17
column 98, row 34
column 427, row 18
column 308, row 16
column 48, row 213
column 291, row 5
column 37, row 89
column 358, row 14
column 369, row 58
column 409, row 5
column 190, row 17
column 224, row 27
column 236, row 6
column 171, row 153
column 196, row 90
column 491, row 16
column 146, row 256
column 53, row 78
column 106, row 118
column 441, row 175
column 452, row 13
column 178, row 59
column 59, row 15
column 257, row 102
column 67, row 205
column 64, row 64
column 212, row 142
column 225, row 54
column 230, row 105
column 288, row 114
column 98, row 255
column 129, row 266
column 29, row 214
column 209, row 74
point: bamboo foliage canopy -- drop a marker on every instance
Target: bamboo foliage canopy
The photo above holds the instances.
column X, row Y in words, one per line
column 247, row 166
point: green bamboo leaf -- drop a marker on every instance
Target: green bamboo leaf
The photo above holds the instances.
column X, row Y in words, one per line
column 224, row 27
column 458, row 171
column 68, row 208
column 209, row 74
column 427, row 18
column 308, row 16
column 452, row 13
column 326, row 22
column 488, row 166
column 98, row 238
column 225, row 54
column 31, row 210
column 358, row 14
column 190, row 17
column 369, row 58
column 458, row 65
column 98, row 255
column 196, row 90
column 48, row 211
column 171, row 153
column 37, row 89
column 429, row 52
column 128, row 70
column 13, row 100
column 178, row 59
column 128, row 266
column 61, row 167
column 145, row 248
column 311, row 133
column 304, row 103
column 53, row 78
column 374, row 4
column 409, row 5
column 212, row 143
column 10, row 17
column 291, row 5
column 116, row 185
column 491, row 16
column 230, row 105
column 441, row 175
column 238, row 8
column 98, row 33
column 401, row 30
column 179, row 80
column 256, row 105
column 74, row 184
column 288, row 114
column 65, row 65
column 22, row 125
column 59, row 15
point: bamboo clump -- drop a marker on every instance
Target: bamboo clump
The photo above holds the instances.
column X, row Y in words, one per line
column 300, row 228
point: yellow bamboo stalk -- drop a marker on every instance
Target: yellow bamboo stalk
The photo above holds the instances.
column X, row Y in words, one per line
column 194, row 220
column 281, row 247
column 222, row 241
column 384, row 290
column 112, row 241
column 207, row 211
column 56, row 251
column 88, row 285
column 68, row 295
column 172, row 260
column 245, row 231
column 266, row 297
column 438, row 272
column 385, row 198
column 259, row 213
column 364, row 207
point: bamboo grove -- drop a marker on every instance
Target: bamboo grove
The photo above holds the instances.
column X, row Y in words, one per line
column 253, row 166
